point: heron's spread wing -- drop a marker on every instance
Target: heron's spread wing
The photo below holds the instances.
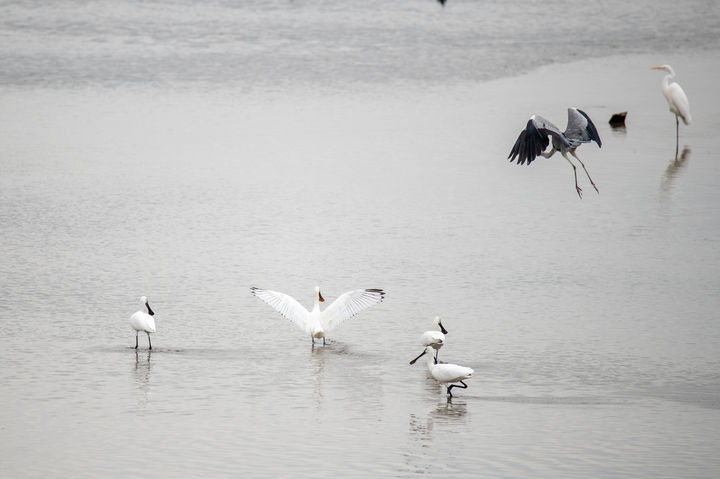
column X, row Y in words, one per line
column 285, row 305
column 349, row 304
column 580, row 127
column 534, row 139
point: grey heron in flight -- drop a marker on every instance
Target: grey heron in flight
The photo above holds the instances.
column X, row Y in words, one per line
column 533, row 140
column 677, row 101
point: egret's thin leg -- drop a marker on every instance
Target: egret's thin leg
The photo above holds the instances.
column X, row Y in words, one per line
column 677, row 135
column 136, row 339
column 149, row 343
column 323, row 340
column 577, row 188
column 436, row 354
column 572, row 152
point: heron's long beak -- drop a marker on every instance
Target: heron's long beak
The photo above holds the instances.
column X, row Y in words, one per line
column 150, row 311
column 322, row 300
column 421, row 354
column 656, row 68
column 442, row 329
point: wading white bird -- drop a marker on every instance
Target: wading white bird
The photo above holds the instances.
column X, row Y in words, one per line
column 447, row 373
column 533, row 140
column 317, row 323
column 677, row 100
column 143, row 321
column 434, row 339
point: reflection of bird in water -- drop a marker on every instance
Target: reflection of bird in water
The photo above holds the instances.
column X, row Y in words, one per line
column 316, row 322
column 533, row 140
column 447, row 373
column 433, row 338
column 143, row 365
column 318, row 361
column 674, row 169
column 143, row 321
column 677, row 101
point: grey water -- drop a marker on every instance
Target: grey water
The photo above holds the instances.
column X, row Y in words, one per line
column 188, row 151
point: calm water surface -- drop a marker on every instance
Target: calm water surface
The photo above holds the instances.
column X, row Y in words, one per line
column 188, row 152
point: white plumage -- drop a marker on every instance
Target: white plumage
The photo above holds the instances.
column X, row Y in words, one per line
column 315, row 322
column 143, row 320
column 677, row 100
column 446, row 373
column 433, row 338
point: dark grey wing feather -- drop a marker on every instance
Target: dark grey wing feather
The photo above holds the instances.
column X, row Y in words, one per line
column 581, row 128
column 534, row 139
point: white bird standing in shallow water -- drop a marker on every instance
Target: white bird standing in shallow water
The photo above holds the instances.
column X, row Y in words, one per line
column 677, row 100
column 143, row 321
column 445, row 373
column 432, row 338
column 316, row 323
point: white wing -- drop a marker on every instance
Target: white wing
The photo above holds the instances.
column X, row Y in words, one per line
column 680, row 102
column 349, row 304
column 285, row 305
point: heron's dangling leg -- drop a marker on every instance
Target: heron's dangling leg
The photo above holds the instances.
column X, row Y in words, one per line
column 136, row 339
column 577, row 188
column 549, row 153
column 464, row 386
column 149, row 343
column 572, row 152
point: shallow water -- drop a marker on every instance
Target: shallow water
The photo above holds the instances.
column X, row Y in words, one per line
column 591, row 324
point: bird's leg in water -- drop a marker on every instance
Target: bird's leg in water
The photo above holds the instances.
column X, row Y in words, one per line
column 464, row 386
column 677, row 135
column 149, row 343
column 136, row 339
column 572, row 152
column 549, row 153
column 323, row 340
column 577, row 188
column 436, row 353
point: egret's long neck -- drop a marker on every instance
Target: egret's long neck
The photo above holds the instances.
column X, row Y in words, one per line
column 666, row 80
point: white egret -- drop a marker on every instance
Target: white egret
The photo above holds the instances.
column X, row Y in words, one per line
column 447, row 374
column 533, row 140
column 677, row 100
column 143, row 320
column 434, row 339
column 316, row 322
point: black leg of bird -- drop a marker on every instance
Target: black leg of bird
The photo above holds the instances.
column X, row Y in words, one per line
column 136, row 339
column 149, row 343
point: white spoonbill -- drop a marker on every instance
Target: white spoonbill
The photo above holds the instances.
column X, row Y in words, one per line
column 434, row 339
column 143, row 321
column 445, row 373
column 677, row 100
column 316, row 323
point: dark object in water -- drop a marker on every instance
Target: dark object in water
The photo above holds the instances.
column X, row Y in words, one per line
column 441, row 2
column 618, row 119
